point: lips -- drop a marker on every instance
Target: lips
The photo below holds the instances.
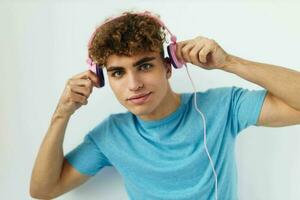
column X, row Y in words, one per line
column 138, row 96
column 139, row 99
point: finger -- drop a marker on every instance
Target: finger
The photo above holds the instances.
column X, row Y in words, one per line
column 195, row 52
column 84, row 84
column 203, row 54
column 88, row 74
column 179, row 46
column 81, row 90
column 81, row 82
column 186, row 51
column 78, row 98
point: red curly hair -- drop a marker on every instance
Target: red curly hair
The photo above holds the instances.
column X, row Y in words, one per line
column 127, row 35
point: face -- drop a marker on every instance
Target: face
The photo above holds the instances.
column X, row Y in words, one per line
column 140, row 82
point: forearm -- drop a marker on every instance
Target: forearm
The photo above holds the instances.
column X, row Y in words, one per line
column 281, row 82
column 49, row 161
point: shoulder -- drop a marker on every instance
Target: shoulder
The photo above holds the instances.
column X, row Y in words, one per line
column 114, row 118
column 118, row 121
column 222, row 93
column 212, row 94
column 221, row 97
column 120, row 118
column 219, row 90
column 109, row 125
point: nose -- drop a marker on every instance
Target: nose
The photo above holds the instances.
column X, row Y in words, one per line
column 134, row 82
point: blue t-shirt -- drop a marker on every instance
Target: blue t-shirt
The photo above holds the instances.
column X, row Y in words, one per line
column 166, row 159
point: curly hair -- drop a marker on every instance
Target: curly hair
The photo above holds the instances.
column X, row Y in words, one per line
column 127, row 35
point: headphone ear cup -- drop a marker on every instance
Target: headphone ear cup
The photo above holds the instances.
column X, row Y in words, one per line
column 92, row 66
column 97, row 70
column 172, row 54
column 100, row 75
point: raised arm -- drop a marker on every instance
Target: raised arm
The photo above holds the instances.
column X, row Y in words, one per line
column 52, row 175
column 282, row 103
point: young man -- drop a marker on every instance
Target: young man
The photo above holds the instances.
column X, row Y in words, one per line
column 157, row 146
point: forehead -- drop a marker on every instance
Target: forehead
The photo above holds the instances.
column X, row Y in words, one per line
column 121, row 60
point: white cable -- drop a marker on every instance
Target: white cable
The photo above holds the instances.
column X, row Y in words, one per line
column 204, row 127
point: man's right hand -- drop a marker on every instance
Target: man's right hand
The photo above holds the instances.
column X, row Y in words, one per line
column 76, row 92
column 51, row 174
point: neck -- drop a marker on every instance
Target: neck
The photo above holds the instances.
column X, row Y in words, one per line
column 168, row 105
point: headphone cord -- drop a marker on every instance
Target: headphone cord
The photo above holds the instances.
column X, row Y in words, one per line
column 204, row 127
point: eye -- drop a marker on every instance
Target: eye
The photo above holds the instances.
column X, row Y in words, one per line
column 145, row 67
column 117, row 74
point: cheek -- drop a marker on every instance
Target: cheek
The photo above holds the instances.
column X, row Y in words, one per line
column 159, row 80
column 155, row 78
column 116, row 88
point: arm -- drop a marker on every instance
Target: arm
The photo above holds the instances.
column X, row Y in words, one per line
column 282, row 103
column 52, row 175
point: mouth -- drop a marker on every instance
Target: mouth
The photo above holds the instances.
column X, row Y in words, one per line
column 139, row 99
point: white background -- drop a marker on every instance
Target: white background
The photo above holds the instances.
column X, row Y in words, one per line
column 43, row 43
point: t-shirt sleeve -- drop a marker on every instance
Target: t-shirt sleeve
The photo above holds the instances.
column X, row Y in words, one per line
column 246, row 106
column 87, row 158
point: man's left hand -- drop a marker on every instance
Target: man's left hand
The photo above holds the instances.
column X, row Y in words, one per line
column 203, row 52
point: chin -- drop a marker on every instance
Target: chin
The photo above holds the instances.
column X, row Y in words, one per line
column 139, row 111
column 143, row 109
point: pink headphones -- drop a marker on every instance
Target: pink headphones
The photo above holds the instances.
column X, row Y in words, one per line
column 171, row 48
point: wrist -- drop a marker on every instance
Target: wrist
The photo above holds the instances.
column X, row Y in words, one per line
column 59, row 114
column 229, row 60
column 231, row 63
column 59, row 118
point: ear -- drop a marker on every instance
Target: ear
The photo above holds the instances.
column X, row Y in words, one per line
column 167, row 64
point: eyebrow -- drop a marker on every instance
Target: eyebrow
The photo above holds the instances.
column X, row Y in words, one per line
column 139, row 62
